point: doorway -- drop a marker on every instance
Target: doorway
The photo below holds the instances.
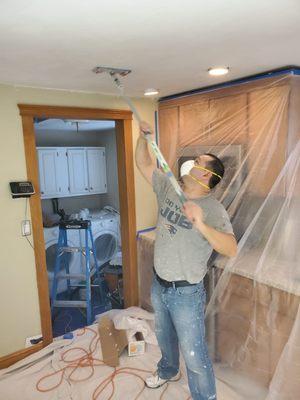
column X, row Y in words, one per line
column 123, row 129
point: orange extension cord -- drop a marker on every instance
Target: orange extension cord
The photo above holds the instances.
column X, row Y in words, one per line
column 87, row 360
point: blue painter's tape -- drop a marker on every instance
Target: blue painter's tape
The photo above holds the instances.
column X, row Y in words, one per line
column 289, row 70
column 68, row 335
column 152, row 228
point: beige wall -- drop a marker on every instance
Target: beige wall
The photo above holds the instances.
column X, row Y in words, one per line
column 19, row 310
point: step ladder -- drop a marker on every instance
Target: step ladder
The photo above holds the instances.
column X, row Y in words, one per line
column 87, row 250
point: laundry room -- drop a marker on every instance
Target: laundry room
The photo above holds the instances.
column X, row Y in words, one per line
column 78, row 176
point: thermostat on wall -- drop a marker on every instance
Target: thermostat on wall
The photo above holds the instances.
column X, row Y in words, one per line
column 21, row 189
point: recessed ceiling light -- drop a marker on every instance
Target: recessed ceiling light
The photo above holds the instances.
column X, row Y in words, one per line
column 151, row 92
column 217, row 71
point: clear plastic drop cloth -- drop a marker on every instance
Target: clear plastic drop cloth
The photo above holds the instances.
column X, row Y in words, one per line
column 253, row 317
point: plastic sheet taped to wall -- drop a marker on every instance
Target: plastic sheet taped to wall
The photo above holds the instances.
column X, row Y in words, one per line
column 254, row 307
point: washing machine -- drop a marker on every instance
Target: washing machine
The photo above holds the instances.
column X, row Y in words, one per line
column 105, row 225
column 74, row 259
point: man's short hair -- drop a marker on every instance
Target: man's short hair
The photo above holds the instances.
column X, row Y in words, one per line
column 216, row 166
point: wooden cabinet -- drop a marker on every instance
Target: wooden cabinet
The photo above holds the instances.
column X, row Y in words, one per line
column 255, row 322
column 228, row 121
column 267, row 132
column 210, row 121
column 251, row 326
column 255, row 117
column 66, row 172
column 193, row 123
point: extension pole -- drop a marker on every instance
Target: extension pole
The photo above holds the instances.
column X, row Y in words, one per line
column 163, row 163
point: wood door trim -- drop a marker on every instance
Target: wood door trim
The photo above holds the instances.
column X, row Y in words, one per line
column 123, row 120
column 12, row 358
column 128, row 220
column 73, row 112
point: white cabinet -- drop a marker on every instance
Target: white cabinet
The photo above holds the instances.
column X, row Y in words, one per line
column 48, row 175
column 75, row 171
column 96, row 170
column 78, row 174
column 53, row 168
column 62, row 171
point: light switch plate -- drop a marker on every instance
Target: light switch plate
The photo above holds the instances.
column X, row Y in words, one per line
column 26, row 227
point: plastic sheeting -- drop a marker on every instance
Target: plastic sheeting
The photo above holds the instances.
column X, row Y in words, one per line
column 253, row 312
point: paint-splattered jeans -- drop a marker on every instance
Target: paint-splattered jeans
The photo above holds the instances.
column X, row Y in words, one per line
column 179, row 321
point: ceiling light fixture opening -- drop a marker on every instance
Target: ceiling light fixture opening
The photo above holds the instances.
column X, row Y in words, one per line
column 151, row 92
column 218, row 71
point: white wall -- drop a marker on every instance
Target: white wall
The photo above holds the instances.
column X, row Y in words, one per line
column 19, row 309
column 72, row 205
column 111, row 198
column 51, row 137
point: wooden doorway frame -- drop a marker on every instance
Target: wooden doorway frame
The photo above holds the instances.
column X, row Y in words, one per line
column 123, row 121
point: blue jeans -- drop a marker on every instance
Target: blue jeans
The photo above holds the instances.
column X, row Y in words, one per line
column 179, row 321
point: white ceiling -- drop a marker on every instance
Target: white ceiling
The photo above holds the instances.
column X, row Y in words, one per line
column 168, row 44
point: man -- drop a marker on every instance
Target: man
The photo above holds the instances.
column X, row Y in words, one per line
column 185, row 238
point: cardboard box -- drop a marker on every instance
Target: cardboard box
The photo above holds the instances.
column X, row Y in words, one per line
column 113, row 342
column 136, row 347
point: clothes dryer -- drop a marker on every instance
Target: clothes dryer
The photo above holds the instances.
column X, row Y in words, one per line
column 74, row 259
column 106, row 234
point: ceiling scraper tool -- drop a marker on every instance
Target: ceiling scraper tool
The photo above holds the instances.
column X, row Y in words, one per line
column 115, row 73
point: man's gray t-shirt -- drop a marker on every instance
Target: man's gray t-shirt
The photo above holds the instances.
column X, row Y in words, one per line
column 181, row 252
